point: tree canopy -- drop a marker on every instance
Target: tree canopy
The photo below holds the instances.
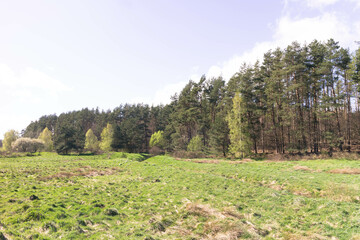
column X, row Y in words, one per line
column 303, row 98
column 9, row 138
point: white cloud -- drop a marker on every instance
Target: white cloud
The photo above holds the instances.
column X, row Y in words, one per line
column 228, row 68
column 320, row 3
column 323, row 27
column 357, row 2
column 30, row 79
column 23, row 93
column 13, row 121
column 289, row 29
column 163, row 95
column 286, row 30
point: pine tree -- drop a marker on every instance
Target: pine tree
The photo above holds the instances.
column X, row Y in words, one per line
column 119, row 139
column 69, row 135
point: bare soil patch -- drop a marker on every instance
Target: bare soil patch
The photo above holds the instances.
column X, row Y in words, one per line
column 346, row 171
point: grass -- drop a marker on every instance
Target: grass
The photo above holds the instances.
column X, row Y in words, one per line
column 119, row 196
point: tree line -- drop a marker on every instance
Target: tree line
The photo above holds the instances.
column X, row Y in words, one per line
column 304, row 98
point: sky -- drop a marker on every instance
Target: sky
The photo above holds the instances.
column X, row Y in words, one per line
column 61, row 55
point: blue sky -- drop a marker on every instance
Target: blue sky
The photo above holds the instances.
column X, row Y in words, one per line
column 58, row 56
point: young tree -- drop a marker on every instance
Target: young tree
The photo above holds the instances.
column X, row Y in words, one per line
column 107, row 138
column 157, row 139
column 91, row 141
column 157, row 142
column 195, row 144
column 239, row 136
column 9, row 138
column 46, row 137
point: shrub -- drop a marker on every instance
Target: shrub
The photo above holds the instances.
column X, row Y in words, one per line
column 195, row 144
column 27, row 145
column 156, row 151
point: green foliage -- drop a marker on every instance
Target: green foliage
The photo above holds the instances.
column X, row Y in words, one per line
column 69, row 135
column 119, row 141
column 46, row 137
column 219, row 134
column 239, row 137
column 9, row 138
column 34, row 129
column 195, row 144
column 136, row 157
column 157, row 140
column 107, row 138
column 30, row 145
column 91, row 141
column 298, row 99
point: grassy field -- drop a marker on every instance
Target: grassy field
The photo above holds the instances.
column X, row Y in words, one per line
column 112, row 197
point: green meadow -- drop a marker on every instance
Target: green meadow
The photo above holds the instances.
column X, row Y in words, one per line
column 119, row 196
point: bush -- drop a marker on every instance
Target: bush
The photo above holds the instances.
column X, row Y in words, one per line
column 27, row 145
column 156, row 151
column 195, row 144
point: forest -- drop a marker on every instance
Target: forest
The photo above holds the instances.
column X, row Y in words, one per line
column 304, row 98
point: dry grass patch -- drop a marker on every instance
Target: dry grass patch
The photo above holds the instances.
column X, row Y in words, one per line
column 223, row 230
column 346, row 171
column 85, row 171
column 302, row 192
column 203, row 210
column 225, row 225
column 274, row 185
column 231, row 212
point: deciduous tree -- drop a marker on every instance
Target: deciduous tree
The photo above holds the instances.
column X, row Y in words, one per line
column 238, row 125
column 107, row 138
column 91, row 141
column 46, row 137
column 9, row 138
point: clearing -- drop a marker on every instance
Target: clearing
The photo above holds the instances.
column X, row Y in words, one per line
column 102, row 197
